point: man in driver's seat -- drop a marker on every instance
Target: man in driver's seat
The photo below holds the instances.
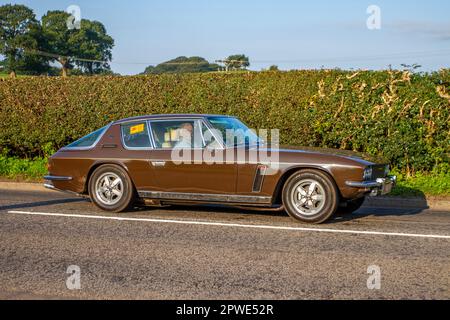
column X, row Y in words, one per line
column 185, row 136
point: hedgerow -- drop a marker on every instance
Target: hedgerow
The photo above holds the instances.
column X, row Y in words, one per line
column 402, row 116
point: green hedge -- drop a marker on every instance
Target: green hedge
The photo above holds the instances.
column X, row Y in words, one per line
column 403, row 116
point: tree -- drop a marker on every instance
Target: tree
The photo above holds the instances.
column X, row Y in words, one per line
column 182, row 65
column 54, row 27
column 90, row 44
column 274, row 68
column 94, row 44
column 236, row 62
column 35, row 63
column 411, row 67
column 19, row 32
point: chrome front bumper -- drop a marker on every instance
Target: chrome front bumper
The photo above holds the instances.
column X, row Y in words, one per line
column 378, row 187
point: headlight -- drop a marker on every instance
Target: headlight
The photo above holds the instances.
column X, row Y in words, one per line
column 367, row 174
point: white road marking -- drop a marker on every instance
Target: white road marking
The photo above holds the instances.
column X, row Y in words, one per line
column 237, row 225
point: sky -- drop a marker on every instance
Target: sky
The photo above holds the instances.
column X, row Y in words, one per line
column 291, row 34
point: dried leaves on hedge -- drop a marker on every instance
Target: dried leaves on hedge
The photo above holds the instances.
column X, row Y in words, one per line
column 403, row 116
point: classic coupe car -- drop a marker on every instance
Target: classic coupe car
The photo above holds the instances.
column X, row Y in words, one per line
column 136, row 160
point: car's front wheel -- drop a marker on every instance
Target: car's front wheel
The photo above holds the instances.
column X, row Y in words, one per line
column 111, row 189
column 310, row 196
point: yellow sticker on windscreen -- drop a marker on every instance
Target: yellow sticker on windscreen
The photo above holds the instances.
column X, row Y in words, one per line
column 137, row 128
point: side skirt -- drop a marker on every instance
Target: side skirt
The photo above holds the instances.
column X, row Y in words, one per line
column 206, row 197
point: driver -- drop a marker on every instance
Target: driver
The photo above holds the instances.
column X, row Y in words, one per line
column 185, row 136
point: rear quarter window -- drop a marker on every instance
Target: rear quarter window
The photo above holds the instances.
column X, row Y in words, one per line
column 89, row 140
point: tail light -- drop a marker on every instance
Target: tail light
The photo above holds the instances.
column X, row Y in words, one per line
column 49, row 165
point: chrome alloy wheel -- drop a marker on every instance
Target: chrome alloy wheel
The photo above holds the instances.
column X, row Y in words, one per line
column 308, row 197
column 109, row 188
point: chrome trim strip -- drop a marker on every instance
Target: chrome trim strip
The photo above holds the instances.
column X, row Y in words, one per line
column 150, row 133
column 57, row 178
column 205, row 197
column 167, row 117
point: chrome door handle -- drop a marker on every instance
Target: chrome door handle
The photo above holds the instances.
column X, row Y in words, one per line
column 158, row 163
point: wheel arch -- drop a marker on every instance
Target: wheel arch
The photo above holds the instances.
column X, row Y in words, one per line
column 292, row 170
column 98, row 164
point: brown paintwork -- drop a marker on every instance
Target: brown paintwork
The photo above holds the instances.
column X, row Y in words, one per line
column 229, row 179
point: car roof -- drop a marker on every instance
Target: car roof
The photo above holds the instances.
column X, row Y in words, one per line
column 168, row 116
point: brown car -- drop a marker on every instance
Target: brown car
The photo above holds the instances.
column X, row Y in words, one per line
column 214, row 159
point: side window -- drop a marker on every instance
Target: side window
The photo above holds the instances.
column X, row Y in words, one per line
column 209, row 138
column 88, row 140
column 178, row 134
column 135, row 135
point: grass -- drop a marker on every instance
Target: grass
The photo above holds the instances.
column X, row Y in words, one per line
column 23, row 169
column 6, row 75
column 419, row 185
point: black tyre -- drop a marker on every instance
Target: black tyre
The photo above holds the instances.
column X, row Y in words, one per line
column 310, row 196
column 351, row 206
column 111, row 189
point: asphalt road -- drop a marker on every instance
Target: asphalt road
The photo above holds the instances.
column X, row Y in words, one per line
column 212, row 252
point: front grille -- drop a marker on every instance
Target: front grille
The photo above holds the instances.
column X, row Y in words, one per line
column 378, row 171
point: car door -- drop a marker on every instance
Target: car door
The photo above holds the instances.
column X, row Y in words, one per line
column 179, row 163
column 136, row 148
column 242, row 148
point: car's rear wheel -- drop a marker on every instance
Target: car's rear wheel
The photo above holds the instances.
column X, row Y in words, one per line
column 310, row 196
column 351, row 206
column 111, row 189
